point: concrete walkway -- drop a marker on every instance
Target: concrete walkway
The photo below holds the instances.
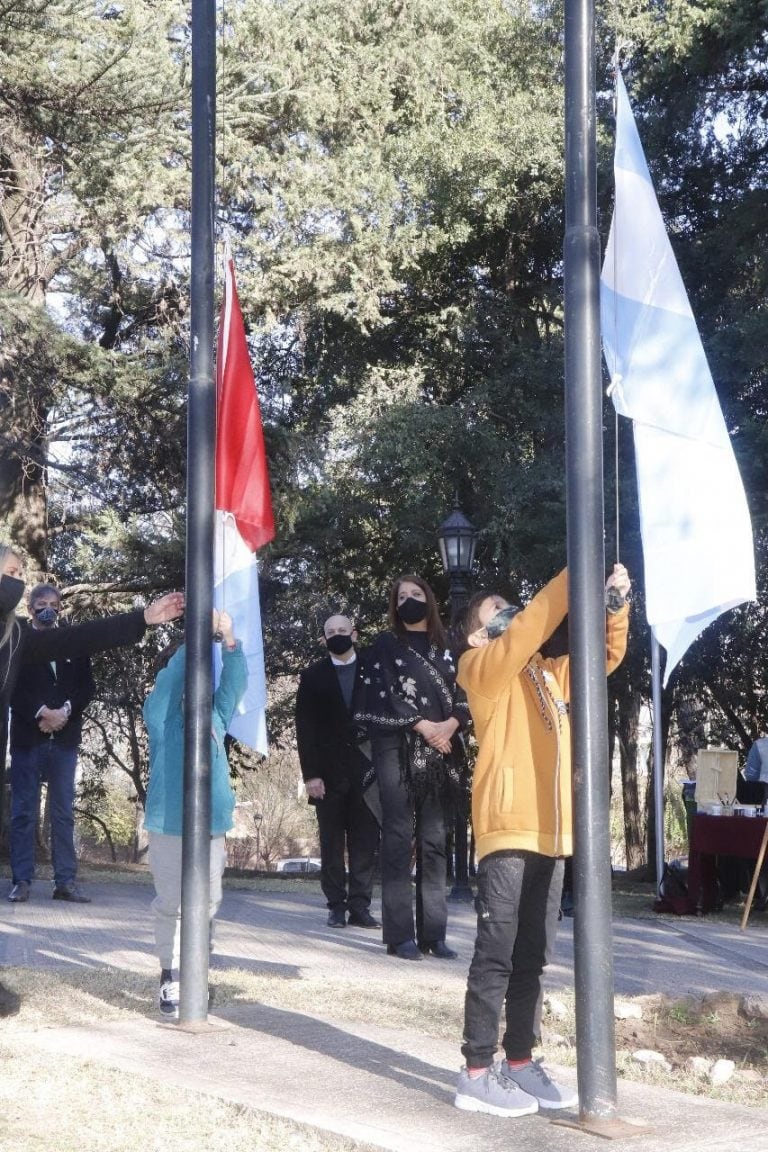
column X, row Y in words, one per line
column 389, row 1088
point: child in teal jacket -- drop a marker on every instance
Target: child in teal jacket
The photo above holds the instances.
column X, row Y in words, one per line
column 164, row 718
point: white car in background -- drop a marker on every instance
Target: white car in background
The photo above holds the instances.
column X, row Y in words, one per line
column 299, row 864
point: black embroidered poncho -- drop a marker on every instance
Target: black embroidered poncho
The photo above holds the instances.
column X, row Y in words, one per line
column 404, row 686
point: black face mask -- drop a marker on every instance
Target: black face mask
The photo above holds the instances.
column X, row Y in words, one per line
column 499, row 623
column 412, row 611
column 11, row 591
column 339, row 644
column 47, row 616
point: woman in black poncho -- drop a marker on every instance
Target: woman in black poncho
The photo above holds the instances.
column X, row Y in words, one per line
column 415, row 714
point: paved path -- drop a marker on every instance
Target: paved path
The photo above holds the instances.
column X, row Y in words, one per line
column 391, row 1088
column 286, row 931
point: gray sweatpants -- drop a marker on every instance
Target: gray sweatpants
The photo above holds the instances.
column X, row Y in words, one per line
column 165, row 863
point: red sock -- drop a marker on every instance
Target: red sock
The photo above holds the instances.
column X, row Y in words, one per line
column 515, row 1064
column 476, row 1073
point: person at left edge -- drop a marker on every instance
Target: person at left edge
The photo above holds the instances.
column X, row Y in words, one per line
column 21, row 644
column 46, row 727
column 335, row 772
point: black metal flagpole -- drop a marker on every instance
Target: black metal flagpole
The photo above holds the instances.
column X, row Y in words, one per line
column 201, row 431
column 593, row 950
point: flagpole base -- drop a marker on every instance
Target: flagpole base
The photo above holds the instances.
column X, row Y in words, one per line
column 206, row 1027
column 607, row 1127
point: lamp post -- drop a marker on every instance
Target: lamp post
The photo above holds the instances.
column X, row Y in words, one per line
column 457, row 540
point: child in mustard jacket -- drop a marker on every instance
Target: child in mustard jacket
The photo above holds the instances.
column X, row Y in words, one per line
column 521, row 815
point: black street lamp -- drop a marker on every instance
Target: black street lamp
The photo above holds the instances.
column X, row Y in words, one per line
column 457, row 540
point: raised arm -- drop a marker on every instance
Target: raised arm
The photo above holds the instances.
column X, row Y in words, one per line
column 40, row 646
column 486, row 671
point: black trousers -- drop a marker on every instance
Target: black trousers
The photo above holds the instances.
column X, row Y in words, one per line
column 401, row 820
column 517, row 910
column 346, row 822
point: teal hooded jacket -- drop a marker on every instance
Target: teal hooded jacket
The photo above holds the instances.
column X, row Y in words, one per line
column 164, row 718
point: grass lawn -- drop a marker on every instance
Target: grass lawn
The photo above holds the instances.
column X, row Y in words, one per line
column 89, row 1105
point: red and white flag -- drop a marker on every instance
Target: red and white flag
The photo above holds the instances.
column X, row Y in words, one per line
column 244, row 519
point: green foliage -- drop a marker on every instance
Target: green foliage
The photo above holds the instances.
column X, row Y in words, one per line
column 391, row 177
column 106, row 814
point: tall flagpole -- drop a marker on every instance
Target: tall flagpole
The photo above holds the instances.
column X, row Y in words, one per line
column 593, row 948
column 201, row 432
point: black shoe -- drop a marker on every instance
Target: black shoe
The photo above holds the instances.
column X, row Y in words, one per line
column 19, row 894
column 440, row 949
column 70, row 892
column 363, row 920
column 405, row 951
column 336, row 918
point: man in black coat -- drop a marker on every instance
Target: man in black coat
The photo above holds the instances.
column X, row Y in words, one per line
column 46, row 727
column 334, row 769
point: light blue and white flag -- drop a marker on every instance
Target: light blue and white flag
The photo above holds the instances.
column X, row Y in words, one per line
column 236, row 590
column 697, row 536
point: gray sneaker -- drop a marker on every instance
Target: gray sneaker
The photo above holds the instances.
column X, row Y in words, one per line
column 537, row 1083
column 492, row 1093
column 19, row 894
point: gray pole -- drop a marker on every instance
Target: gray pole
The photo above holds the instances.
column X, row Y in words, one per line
column 595, row 1032
column 658, row 758
column 201, row 431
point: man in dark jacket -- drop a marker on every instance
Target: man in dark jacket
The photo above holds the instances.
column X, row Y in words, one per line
column 46, row 727
column 334, row 770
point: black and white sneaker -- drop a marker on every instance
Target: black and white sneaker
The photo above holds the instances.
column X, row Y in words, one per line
column 169, row 999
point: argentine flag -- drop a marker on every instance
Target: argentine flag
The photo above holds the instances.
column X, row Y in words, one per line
column 697, row 537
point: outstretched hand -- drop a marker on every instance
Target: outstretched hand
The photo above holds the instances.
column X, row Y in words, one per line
column 168, row 607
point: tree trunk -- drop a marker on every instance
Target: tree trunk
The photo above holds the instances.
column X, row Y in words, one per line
column 24, row 389
column 628, row 722
column 624, row 718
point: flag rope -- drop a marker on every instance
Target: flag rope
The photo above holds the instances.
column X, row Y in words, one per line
column 612, row 384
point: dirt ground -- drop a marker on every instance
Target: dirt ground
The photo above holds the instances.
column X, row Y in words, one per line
column 712, row 1027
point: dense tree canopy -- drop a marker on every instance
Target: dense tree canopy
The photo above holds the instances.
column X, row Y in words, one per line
column 391, row 180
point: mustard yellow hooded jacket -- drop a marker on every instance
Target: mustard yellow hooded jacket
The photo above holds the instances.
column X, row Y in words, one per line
column 521, row 789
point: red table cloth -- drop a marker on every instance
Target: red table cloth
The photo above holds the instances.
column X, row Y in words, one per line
column 713, row 836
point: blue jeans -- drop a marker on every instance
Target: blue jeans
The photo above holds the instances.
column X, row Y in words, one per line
column 54, row 764
column 518, row 899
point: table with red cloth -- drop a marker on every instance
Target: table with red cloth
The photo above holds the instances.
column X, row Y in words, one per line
column 713, row 836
